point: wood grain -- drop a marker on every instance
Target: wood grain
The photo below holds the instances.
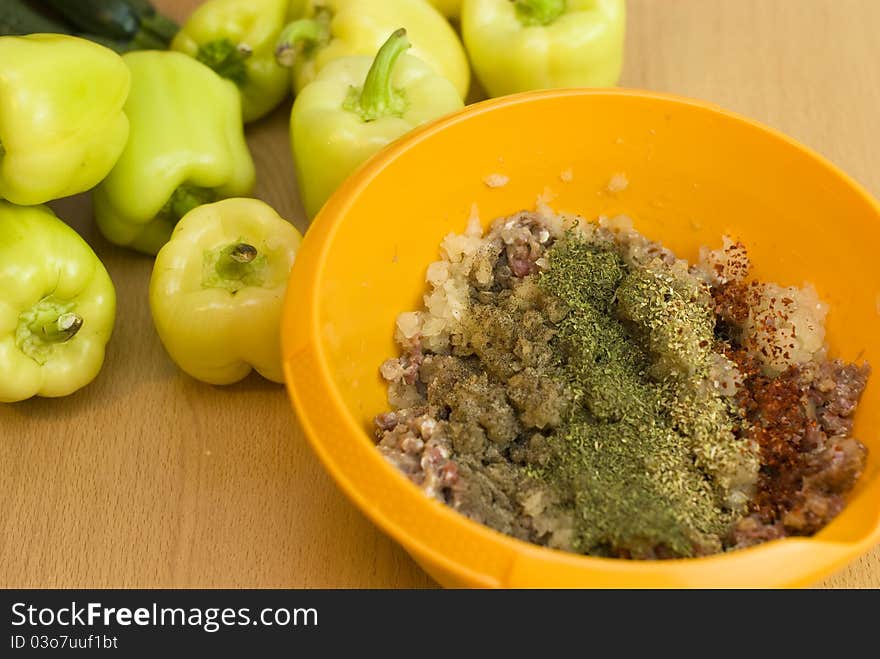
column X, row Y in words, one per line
column 147, row 478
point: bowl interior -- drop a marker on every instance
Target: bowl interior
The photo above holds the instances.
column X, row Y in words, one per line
column 694, row 172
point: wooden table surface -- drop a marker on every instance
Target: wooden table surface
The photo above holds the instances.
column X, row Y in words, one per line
column 148, row 478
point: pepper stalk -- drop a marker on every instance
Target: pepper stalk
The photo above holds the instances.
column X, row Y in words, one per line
column 378, row 98
column 236, row 262
column 47, row 323
column 539, row 12
column 233, row 267
column 301, row 34
column 184, row 199
column 63, row 329
column 226, row 58
column 154, row 22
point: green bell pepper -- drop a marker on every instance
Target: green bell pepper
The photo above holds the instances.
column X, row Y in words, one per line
column 186, row 148
column 355, row 107
column 449, row 8
column 538, row 44
column 297, row 9
column 61, row 122
column 218, row 288
column 339, row 28
column 237, row 39
column 57, row 306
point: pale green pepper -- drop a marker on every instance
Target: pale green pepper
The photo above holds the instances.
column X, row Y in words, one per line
column 298, row 9
column 355, row 107
column 237, row 39
column 61, row 122
column 519, row 45
column 449, row 8
column 339, row 28
column 218, row 287
column 186, row 148
column 57, row 306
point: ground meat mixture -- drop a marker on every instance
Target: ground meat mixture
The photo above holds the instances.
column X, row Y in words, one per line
column 576, row 385
column 802, row 420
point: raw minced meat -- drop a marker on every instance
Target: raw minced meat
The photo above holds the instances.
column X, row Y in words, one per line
column 576, row 385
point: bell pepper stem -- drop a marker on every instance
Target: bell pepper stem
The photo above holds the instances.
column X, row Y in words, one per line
column 226, row 58
column 301, row 34
column 235, row 261
column 233, row 267
column 47, row 323
column 539, row 12
column 62, row 328
column 243, row 253
column 378, row 98
column 185, row 198
column 160, row 25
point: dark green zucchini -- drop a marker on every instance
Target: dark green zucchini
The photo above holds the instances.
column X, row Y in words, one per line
column 153, row 20
column 107, row 18
column 136, row 23
column 17, row 18
column 141, row 7
column 120, row 47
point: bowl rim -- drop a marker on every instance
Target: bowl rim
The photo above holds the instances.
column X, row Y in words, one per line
column 300, row 331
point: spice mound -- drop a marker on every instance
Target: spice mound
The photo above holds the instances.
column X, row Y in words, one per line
column 578, row 386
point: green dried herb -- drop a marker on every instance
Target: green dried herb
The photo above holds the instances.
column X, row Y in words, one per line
column 647, row 458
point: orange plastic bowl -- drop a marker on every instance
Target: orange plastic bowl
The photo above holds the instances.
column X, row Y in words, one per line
column 695, row 172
